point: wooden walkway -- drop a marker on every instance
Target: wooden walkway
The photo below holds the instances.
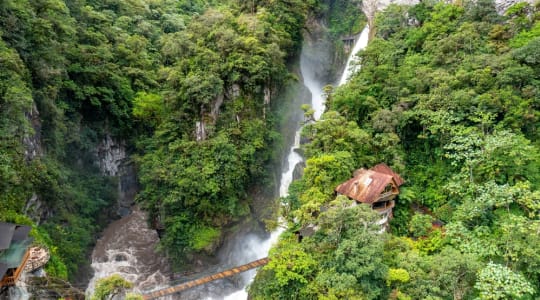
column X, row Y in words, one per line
column 204, row 280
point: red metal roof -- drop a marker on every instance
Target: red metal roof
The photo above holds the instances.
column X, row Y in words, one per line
column 367, row 185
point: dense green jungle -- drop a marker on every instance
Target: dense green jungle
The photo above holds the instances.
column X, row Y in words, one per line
column 448, row 95
column 146, row 73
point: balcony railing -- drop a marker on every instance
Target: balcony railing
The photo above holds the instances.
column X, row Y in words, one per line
column 386, row 196
column 388, row 205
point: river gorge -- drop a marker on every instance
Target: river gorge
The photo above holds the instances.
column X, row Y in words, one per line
column 128, row 246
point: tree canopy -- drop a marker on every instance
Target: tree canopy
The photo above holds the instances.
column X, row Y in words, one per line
column 447, row 95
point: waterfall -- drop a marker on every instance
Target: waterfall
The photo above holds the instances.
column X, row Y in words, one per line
column 127, row 246
column 352, row 64
column 315, row 85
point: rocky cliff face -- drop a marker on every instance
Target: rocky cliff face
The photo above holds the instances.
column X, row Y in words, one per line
column 110, row 153
column 113, row 160
column 34, row 207
column 32, row 143
column 503, row 5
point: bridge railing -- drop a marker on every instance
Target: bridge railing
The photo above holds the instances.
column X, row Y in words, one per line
column 191, row 284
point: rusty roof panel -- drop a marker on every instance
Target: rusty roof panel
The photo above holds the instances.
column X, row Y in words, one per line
column 385, row 169
column 366, row 186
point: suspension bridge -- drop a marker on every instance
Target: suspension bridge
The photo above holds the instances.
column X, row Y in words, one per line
column 193, row 283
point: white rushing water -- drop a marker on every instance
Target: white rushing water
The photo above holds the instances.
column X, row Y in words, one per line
column 352, row 64
column 260, row 249
column 128, row 248
column 293, row 158
column 315, row 86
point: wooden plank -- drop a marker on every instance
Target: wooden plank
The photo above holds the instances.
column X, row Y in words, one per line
column 22, row 265
column 207, row 279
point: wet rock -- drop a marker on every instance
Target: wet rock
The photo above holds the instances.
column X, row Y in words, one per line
column 113, row 160
column 36, row 209
column 128, row 186
column 120, row 258
column 299, row 170
column 299, row 151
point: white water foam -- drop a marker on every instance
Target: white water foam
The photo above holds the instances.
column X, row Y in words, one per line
column 352, row 62
column 127, row 248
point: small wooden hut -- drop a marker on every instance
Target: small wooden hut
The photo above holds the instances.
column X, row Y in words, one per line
column 376, row 187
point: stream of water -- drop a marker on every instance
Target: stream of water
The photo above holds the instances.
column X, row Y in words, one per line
column 128, row 248
column 352, row 63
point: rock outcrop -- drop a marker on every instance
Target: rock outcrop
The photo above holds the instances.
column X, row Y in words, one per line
column 113, row 160
column 32, row 143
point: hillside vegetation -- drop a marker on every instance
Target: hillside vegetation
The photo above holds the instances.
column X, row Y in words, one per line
column 449, row 97
column 147, row 74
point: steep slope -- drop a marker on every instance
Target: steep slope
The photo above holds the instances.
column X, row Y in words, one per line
column 448, row 96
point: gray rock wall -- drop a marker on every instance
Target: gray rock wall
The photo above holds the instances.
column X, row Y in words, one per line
column 113, row 160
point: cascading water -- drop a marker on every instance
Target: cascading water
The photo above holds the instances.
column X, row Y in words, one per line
column 310, row 70
column 128, row 248
column 128, row 245
column 261, row 249
column 352, row 65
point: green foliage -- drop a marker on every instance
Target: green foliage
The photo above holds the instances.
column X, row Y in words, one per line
column 204, row 237
column 148, row 108
column 432, row 243
column 420, row 225
column 341, row 260
column 444, row 275
column 295, row 273
column 344, row 17
column 498, row 282
column 397, row 276
column 333, row 133
column 525, row 37
column 448, row 95
column 111, row 286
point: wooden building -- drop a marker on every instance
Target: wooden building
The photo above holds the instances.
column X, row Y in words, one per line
column 376, row 187
column 14, row 243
